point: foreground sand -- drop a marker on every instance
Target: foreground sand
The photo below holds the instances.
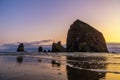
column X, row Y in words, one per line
column 97, row 66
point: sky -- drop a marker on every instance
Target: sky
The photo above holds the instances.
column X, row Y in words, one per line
column 39, row 20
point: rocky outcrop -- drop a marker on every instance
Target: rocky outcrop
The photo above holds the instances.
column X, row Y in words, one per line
column 82, row 37
column 20, row 48
column 57, row 47
column 40, row 49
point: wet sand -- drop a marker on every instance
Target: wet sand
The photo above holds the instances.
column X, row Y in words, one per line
column 60, row 66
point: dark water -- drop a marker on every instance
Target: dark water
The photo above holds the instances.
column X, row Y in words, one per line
column 60, row 66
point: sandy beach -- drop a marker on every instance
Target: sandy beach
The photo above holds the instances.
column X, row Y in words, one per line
column 99, row 66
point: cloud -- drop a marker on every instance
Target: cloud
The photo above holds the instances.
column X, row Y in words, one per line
column 34, row 44
column 42, row 42
column 7, row 46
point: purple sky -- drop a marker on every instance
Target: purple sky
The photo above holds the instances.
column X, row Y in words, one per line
column 36, row 20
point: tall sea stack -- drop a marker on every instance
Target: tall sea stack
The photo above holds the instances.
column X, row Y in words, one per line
column 20, row 48
column 82, row 37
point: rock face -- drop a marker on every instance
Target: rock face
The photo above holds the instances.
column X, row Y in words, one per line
column 82, row 37
column 57, row 47
column 20, row 48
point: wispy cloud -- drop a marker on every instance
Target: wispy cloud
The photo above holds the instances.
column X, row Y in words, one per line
column 42, row 42
column 33, row 44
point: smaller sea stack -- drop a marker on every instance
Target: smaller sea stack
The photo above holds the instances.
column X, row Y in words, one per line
column 57, row 47
column 20, row 48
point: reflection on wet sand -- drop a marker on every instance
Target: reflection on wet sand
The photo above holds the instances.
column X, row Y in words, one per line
column 30, row 69
column 85, row 63
column 114, row 66
column 19, row 59
column 88, row 62
column 60, row 67
column 77, row 74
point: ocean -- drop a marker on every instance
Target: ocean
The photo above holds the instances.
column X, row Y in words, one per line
column 112, row 47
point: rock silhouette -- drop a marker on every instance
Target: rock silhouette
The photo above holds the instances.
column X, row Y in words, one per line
column 82, row 37
column 57, row 47
column 20, row 48
column 40, row 49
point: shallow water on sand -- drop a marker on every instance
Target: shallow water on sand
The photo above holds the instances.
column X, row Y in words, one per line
column 60, row 66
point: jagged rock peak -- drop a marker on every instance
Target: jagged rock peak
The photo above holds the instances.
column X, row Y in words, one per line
column 57, row 47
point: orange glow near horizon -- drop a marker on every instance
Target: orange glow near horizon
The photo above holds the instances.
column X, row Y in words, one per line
column 112, row 32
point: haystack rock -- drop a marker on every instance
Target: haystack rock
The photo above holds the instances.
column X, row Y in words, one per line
column 57, row 47
column 82, row 37
column 20, row 48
